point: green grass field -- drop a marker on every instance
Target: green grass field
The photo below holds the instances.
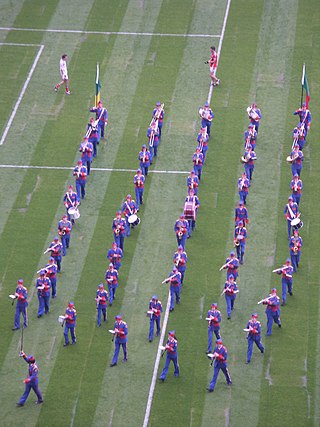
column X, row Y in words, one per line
column 264, row 47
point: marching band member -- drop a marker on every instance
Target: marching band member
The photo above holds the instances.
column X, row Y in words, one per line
column 180, row 260
column 213, row 62
column 31, row 381
column 231, row 264
column 214, row 319
column 93, row 135
column 144, row 157
column 138, row 181
column 255, row 116
column 243, row 187
column 241, row 214
column 193, row 182
column 305, row 116
column 220, row 354
column 207, row 116
column 156, row 307
column 51, row 273
column 249, row 156
column 181, row 228
column 153, row 139
column 203, row 139
column 128, row 208
column 121, row 339
column 197, row 159
column 295, row 246
column 291, row 211
column 86, row 150
column 299, row 136
column 64, row 230
column 158, row 116
column 21, row 295
column 171, row 349
column 70, row 324
column 286, row 271
column 80, row 172
column 56, row 250
column 250, row 137
column 272, row 310
column 119, row 229
column 70, row 200
column 43, row 286
column 102, row 116
column 112, row 282
column 101, row 302
column 64, row 75
column 240, row 236
column 114, row 255
column 175, row 286
column 230, row 292
column 191, row 198
column 296, row 160
column 296, row 187
column 254, row 335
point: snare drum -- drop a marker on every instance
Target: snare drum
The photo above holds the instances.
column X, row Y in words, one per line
column 150, row 313
column 61, row 319
column 133, row 220
column 289, row 159
column 296, row 223
column 74, row 212
column 190, row 210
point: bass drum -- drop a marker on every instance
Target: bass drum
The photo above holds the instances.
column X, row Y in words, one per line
column 296, row 223
column 133, row 220
column 74, row 213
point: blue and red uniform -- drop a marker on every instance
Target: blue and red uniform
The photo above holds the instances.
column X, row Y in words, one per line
column 93, row 135
column 70, row 200
column 115, row 255
column 206, row 118
column 121, row 339
column 240, row 237
column 158, row 116
column 304, row 116
column 230, row 293
column 297, row 159
column 231, row 265
column 64, row 230
column 153, row 139
column 119, row 229
column 272, row 310
column 299, row 136
column 193, row 182
column 243, row 187
column 197, row 159
column 43, row 286
column 180, row 260
column 51, row 273
column 202, row 140
column 286, row 280
column 295, row 246
column 191, row 200
column 171, row 349
column 80, row 172
column 255, row 116
column 138, row 181
column 250, row 137
column 220, row 354
column 101, row 301
column 102, row 116
column 214, row 319
column 129, row 208
column 175, row 286
column 254, row 336
column 21, row 295
column 56, row 252
column 181, row 228
column 156, row 307
column 144, row 158
column 70, row 324
column 32, row 381
column 296, row 188
column 241, row 214
column 291, row 211
column 250, row 157
column 112, row 282
column 86, row 150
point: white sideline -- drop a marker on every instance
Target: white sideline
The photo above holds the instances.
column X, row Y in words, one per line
column 107, row 33
column 157, row 361
column 24, row 88
column 93, row 169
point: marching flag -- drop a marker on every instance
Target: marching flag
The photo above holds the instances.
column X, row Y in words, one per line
column 304, row 83
column 98, row 86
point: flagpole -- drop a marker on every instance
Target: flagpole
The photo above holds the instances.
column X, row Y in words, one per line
column 303, row 73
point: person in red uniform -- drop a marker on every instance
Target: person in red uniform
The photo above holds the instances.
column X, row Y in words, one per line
column 213, row 63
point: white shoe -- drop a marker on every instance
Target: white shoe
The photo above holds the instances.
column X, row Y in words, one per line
column 68, row 93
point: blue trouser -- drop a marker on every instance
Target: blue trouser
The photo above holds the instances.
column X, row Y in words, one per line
column 211, row 330
column 80, row 187
column 174, row 292
column 94, row 143
column 289, row 228
column 155, row 150
column 101, row 129
column 243, row 196
column 53, row 281
column 139, row 196
column 117, row 349
column 144, row 169
column 20, row 309
column 41, row 305
column 151, row 154
column 198, row 170
column 295, row 259
column 88, row 164
column 103, row 310
column 174, row 359
column 119, row 240
column 65, row 240
column 204, row 152
column 286, row 283
column 224, row 369
column 182, row 273
column 72, row 330
column 240, row 251
column 296, row 198
column 127, row 227
column 35, row 388
column 253, row 339
column 272, row 316
column 192, row 225
column 230, row 299
column 296, row 169
column 249, row 171
column 207, row 124
column 154, row 320
column 112, row 293
column 182, row 241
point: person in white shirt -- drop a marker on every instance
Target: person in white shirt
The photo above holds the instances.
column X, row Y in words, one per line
column 64, row 75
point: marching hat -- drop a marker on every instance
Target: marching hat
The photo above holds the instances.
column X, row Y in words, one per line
column 273, row 290
column 206, row 104
column 71, row 304
column 290, row 198
column 232, row 253
column 101, row 285
column 214, row 304
column 219, row 341
column 31, row 358
column 158, row 104
column 118, row 213
column 56, row 238
column 42, row 272
column 155, row 297
column 254, row 315
column 138, row 170
column 20, row 281
column 231, row 276
column 288, row 260
column 129, row 196
column 144, row 146
column 180, row 247
column 110, row 265
column 118, row 317
column 172, row 333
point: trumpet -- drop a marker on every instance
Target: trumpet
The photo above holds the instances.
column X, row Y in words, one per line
column 180, row 234
column 236, row 242
column 117, row 231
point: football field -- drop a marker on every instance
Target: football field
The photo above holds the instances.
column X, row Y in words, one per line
column 152, row 51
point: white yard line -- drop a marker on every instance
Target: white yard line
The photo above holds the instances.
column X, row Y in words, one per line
column 165, row 321
column 93, row 169
column 24, row 88
column 18, row 44
column 107, row 33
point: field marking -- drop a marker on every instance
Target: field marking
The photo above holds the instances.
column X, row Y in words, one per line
column 220, row 44
column 19, row 44
column 24, row 88
column 93, row 169
column 108, row 33
column 156, row 365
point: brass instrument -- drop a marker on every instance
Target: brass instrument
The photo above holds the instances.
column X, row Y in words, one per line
column 180, row 233
column 117, row 231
